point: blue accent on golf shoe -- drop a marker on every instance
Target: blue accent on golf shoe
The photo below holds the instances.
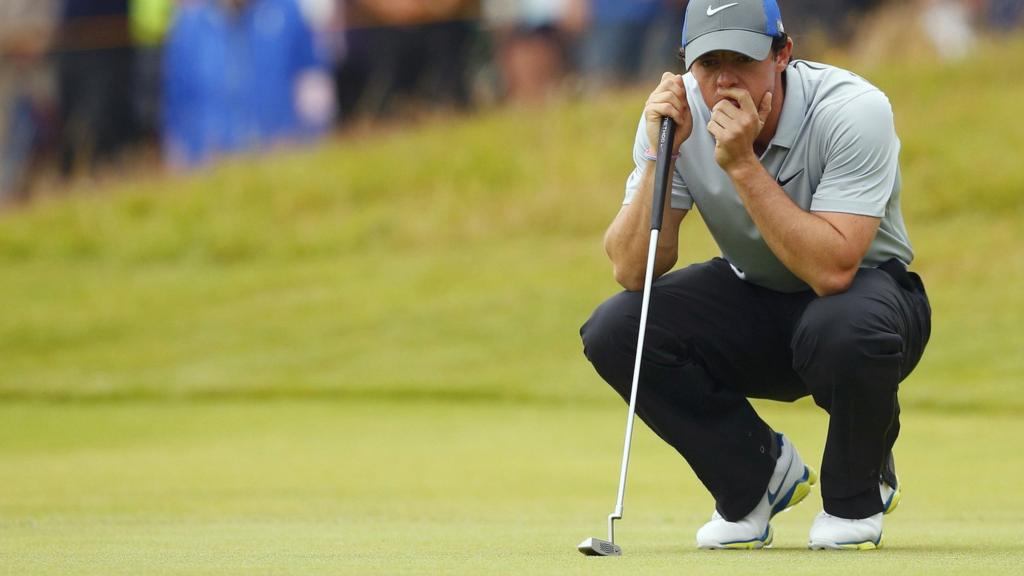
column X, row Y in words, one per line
column 785, row 501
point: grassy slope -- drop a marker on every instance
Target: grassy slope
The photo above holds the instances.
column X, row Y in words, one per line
column 407, row 263
column 453, row 262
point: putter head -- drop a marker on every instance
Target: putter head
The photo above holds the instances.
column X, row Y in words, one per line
column 598, row 547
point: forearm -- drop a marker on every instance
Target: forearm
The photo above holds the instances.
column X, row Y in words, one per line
column 627, row 241
column 807, row 244
column 628, row 238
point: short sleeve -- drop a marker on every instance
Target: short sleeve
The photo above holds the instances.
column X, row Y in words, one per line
column 681, row 199
column 861, row 153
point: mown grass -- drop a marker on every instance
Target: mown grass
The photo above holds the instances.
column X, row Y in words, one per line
column 383, row 487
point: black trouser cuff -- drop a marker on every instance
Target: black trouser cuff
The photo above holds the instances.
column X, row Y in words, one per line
column 861, row 506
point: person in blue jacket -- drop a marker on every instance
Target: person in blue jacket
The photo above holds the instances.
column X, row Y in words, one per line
column 237, row 77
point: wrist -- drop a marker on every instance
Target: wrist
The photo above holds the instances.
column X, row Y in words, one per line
column 651, row 155
column 744, row 167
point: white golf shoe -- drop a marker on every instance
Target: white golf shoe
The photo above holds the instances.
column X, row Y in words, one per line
column 789, row 484
column 833, row 533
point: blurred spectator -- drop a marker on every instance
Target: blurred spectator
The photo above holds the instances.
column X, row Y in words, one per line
column 833, row 19
column 1005, row 14
column 629, row 40
column 948, row 26
column 326, row 20
column 149, row 21
column 531, row 39
column 407, row 49
column 95, row 79
column 241, row 75
column 26, row 28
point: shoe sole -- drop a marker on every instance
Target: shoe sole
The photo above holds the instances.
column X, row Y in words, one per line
column 748, row 545
column 868, row 545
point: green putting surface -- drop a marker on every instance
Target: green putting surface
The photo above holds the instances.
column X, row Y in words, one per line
column 364, row 487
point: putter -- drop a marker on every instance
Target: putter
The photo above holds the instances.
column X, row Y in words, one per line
column 596, row 546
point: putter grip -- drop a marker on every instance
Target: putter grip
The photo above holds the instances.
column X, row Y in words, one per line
column 662, row 171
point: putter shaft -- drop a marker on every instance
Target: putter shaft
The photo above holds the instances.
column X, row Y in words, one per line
column 662, row 180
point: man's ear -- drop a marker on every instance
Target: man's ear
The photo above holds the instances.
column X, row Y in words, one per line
column 783, row 56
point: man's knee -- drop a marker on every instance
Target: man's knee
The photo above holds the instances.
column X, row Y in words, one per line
column 609, row 338
column 837, row 341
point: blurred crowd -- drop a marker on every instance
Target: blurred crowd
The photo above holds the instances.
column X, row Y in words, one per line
column 85, row 84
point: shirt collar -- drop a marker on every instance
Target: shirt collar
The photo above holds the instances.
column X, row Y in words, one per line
column 793, row 109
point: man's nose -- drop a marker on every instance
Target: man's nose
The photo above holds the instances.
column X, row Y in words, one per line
column 726, row 78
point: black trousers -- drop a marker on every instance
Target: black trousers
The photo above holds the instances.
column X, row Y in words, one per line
column 714, row 340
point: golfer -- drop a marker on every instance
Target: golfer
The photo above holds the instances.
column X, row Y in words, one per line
column 794, row 168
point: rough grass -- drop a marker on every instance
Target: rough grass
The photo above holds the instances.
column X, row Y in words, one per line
column 407, row 263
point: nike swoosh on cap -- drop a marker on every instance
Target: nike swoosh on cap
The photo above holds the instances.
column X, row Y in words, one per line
column 713, row 11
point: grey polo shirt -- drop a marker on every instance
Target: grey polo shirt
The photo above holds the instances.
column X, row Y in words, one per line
column 835, row 150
